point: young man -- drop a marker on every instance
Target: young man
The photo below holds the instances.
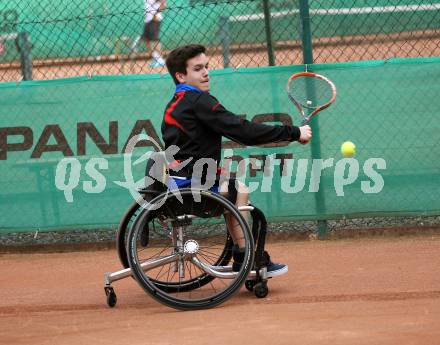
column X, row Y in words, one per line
column 195, row 122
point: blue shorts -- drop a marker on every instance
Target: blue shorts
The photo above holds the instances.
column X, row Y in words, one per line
column 187, row 182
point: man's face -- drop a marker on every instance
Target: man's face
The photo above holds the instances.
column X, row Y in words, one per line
column 196, row 73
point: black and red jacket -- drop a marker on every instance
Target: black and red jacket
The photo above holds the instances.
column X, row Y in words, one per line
column 196, row 122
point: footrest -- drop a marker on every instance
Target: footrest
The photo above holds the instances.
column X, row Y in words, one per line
column 264, row 274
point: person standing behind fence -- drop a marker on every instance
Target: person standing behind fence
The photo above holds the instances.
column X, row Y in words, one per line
column 153, row 18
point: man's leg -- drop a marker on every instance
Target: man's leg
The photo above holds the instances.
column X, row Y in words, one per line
column 242, row 200
column 156, row 47
column 273, row 269
column 234, row 227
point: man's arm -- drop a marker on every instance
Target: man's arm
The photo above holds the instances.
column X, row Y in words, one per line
column 215, row 116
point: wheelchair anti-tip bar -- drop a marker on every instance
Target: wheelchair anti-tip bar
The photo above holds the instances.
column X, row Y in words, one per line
column 148, row 265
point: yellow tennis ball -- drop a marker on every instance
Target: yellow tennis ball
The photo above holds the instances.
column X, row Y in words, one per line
column 348, row 149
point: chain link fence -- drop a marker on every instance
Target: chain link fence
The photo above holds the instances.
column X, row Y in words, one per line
column 95, row 116
column 58, row 39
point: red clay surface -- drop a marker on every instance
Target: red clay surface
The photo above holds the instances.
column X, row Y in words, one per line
column 366, row 291
column 325, row 50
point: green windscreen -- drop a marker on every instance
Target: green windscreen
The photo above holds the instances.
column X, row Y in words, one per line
column 389, row 109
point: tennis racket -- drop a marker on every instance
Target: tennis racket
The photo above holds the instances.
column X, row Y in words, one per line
column 310, row 93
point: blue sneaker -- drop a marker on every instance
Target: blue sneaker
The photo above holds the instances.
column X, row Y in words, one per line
column 157, row 64
column 273, row 269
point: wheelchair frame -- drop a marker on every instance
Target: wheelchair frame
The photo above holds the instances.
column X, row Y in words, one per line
column 254, row 276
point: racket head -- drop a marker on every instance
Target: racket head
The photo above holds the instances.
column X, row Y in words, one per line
column 310, row 93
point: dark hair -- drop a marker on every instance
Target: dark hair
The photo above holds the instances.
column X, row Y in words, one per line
column 176, row 60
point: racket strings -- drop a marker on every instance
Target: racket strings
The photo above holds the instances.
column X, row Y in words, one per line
column 310, row 92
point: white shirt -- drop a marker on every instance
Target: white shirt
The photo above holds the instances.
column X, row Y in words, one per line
column 151, row 9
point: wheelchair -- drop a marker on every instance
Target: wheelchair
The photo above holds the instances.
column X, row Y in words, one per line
column 178, row 248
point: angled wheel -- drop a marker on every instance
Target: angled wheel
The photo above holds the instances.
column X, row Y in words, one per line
column 184, row 264
column 121, row 236
column 121, row 247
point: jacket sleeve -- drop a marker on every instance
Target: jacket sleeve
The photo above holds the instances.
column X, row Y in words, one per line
column 211, row 113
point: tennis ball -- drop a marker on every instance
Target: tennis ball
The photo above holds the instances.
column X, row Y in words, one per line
column 348, row 149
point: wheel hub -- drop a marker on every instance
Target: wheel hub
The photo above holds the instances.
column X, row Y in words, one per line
column 190, row 247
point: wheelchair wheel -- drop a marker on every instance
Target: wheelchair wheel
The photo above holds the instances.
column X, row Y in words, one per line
column 184, row 263
column 197, row 281
column 121, row 236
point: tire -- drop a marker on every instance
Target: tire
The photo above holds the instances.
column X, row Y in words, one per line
column 261, row 290
column 249, row 284
column 121, row 247
column 182, row 284
column 125, row 224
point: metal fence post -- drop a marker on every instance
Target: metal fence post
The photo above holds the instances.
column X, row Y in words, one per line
column 306, row 37
column 224, row 39
column 268, row 29
column 24, row 47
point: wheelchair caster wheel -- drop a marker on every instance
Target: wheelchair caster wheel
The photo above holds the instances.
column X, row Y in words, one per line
column 249, row 284
column 261, row 290
column 111, row 296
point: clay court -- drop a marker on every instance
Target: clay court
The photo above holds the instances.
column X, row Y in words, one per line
column 355, row 291
column 326, row 50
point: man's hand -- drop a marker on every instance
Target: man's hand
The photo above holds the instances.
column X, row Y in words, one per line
column 306, row 134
